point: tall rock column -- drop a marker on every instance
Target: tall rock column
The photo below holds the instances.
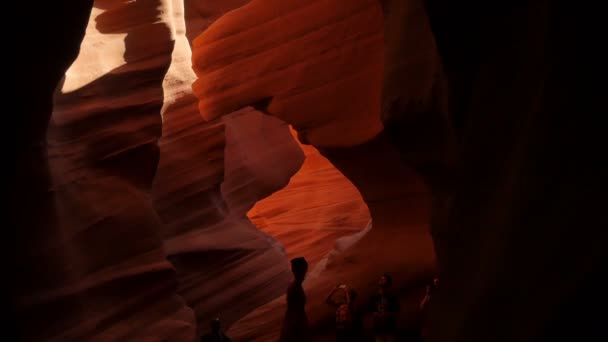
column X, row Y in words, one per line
column 98, row 269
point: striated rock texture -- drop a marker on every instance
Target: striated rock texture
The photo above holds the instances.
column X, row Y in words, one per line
column 116, row 283
column 398, row 242
column 118, row 218
column 134, row 166
column 317, row 207
column 251, row 156
column 209, row 175
column 172, row 206
column 149, row 201
column 220, row 257
column 318, row 66
column 199, row 15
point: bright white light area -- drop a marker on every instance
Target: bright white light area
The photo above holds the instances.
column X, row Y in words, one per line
column 180, row 76
column 99, row 54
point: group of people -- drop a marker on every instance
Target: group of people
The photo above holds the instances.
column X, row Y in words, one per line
column 383, row 306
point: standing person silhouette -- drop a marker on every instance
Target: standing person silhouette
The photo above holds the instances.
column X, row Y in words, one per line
column 385, row 309
column 295, row 325
column 216, row 334
column 348, row 322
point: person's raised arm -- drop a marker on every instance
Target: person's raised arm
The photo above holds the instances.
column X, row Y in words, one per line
column 427, row 296
column 423, row 302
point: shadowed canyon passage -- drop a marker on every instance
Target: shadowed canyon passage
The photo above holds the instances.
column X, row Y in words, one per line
column 209, row 174
column 153, row 191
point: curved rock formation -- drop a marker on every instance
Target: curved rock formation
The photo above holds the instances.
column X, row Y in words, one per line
column 317, row 207
column 103, row 155
column 199, row 15
column 103, row 142
column 322, row 75
column 319, row 61
column 180, row 186
column 204, row 186
column 134, row 166
column 398, row 243
column 123, row 206
column 219, row 255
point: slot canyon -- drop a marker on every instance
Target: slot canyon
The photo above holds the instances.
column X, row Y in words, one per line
column 170, row 157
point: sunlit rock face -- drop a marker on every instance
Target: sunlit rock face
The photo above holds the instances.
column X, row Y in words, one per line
column 138, row 164
column 250, row 155
column 220, row 256
column 136, row 167
column 145, row 173
column 398, row 241
column 103, row 155
column 317, row 207
column 208, row 177
column 125, row 203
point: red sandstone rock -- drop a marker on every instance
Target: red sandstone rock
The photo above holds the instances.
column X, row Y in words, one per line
column 320, row 61
column 103, row 154
column 169, row 191
column 323, row 83
column 318, row 206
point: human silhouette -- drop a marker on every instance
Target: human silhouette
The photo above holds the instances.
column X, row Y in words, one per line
column 385, row 308
column 216, row 334
column 347, row 315
column 295, row 325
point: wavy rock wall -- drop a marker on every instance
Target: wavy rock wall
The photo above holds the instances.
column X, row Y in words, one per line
column 130, row 153
column 208, row 176
column 322, row 51
column 322, row 73
column 133, row 166
column 109, row 137
column 199, row 15
column 318, row 206
column 103, row 152
column 251, row 144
